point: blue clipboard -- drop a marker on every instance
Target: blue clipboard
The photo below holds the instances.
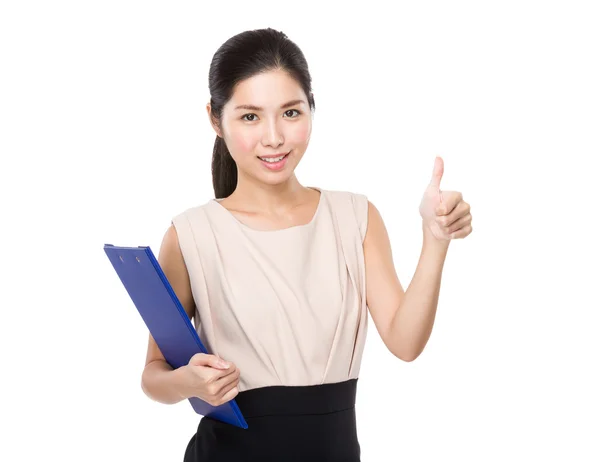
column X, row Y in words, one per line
column 166, row 319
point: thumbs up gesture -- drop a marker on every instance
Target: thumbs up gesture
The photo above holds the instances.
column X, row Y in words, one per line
column 445, row 214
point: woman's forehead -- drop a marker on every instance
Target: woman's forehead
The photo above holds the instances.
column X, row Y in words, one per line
column 267, row 91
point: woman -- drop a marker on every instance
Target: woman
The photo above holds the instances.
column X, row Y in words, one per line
column 278, row 277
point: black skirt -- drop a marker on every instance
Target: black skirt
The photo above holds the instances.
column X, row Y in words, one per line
column 285, row 424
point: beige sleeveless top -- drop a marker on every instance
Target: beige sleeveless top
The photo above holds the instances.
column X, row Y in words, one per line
column 287, row 306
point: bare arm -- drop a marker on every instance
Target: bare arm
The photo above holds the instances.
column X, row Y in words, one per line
column 404, row 320
column 159, row 381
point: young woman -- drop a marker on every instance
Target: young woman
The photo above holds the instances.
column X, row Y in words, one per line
column 278, row 277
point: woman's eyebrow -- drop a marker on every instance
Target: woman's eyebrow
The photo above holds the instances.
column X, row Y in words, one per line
column 256, row 108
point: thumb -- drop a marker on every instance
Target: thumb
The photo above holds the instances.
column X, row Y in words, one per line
column 438, row 171
column 201, row 359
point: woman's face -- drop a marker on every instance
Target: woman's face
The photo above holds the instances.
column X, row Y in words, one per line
column 268, row 114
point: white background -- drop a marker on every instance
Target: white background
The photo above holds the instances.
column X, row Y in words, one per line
column 104, row 138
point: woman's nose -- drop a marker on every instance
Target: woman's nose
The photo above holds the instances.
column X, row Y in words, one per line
column 273, row 135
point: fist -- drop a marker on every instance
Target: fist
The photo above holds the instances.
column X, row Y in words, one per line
column 211, row 379
column 445, row 214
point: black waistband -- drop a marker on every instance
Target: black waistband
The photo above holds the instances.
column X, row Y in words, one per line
column 298, row 400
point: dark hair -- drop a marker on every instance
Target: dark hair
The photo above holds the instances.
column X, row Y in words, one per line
column 243, row 56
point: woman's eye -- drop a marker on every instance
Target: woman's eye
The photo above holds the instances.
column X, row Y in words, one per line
column 245, row 116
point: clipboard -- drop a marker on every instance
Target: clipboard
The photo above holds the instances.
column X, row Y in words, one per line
column 166, row 319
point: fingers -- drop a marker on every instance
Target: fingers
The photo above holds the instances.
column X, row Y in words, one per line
column 217, row 375
column 462, row 232
column 438, row 171
column 459, row 224
column 214, row 383
column 230, row 394
column 228, row 379
column 211, row 374
column 201, row 359
column 459, row 211
column 227, row 388
column 450, row 200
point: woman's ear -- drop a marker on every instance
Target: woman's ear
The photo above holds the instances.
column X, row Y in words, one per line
column 212, row 121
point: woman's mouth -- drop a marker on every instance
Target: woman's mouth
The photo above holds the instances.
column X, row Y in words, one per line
column 274, row 163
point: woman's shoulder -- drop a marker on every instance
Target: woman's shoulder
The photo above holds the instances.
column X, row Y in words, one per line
column 354, row 202
column 359, row 200
column 345, row 194
column 190, row 211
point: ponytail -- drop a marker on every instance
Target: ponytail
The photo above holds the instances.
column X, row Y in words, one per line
column 224, row 170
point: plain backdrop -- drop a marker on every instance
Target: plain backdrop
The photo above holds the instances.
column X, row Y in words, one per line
column 104, row 138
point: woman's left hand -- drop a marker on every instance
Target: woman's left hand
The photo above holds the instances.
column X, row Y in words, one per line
column 445, row 214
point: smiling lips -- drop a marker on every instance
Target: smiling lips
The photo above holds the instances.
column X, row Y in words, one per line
column 275, row 161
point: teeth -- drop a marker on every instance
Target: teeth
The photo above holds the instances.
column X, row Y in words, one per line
column 274, row 159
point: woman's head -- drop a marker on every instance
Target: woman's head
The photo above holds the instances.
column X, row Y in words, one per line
column 262, row 70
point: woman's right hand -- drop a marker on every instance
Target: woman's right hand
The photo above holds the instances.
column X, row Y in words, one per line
column 211, row 379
